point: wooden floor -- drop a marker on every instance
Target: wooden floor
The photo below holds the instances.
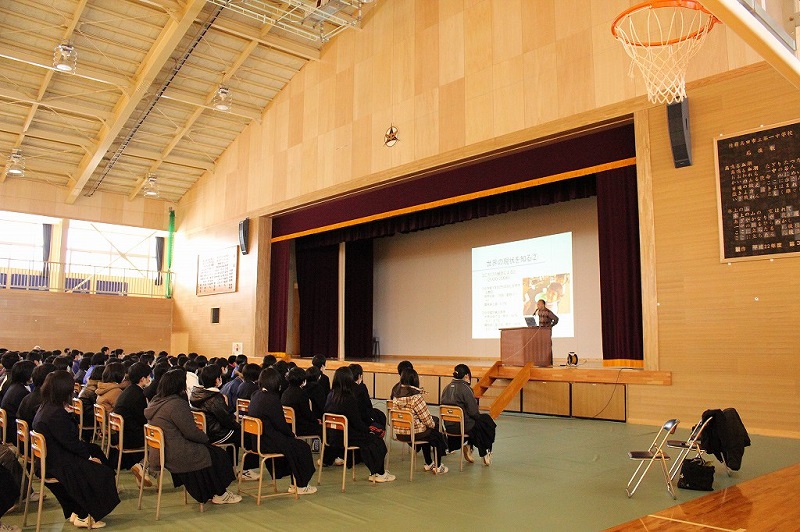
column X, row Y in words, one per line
column 769, row 502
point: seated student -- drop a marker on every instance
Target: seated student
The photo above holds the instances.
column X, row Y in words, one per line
column 315, row 392
column 98, row 359
column 268, row 361
column 192, row 379
column 305, row 422
column 110, row 388
column 8, row 360
column 231, row 388
column 205, row 470
column 158, row 372
column 20, row 381
column 31, row 402
column 249, row 385
column 277, row 437
column 480, row 428
column 372, row 448
column 86, row 485
column 318, row 361
column 371, row 416
column 83, row 366
column 403, row 365
column 409, row 397
column 130, row 406
column 221, row 425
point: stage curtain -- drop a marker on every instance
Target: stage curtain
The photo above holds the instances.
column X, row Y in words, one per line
column 318, row 286
column 560, row 191
column 279, row 296
column 620, row 265
column 358, row 300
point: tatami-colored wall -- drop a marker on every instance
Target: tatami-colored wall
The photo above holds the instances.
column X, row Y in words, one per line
column 456, row 77
column 727, row 333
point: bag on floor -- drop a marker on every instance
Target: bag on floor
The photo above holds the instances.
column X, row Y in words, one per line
column 696, row 474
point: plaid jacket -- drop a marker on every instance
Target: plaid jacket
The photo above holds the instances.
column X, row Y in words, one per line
column 418, row 407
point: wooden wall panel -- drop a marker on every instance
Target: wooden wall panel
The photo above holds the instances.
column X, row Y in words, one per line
column 87, row 322
column 598, row 401
column 546, row 398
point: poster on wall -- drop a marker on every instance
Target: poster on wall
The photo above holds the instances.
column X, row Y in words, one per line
column 758, row 194
column 216, row 271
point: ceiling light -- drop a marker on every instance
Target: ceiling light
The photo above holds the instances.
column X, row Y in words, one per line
column 222, row 99
column 16, row 164
column 150, row 186
column 65, row 58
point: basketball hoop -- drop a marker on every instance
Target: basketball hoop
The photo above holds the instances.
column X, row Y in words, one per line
column 661, row 36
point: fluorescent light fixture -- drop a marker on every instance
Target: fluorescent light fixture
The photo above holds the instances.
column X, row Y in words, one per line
column 16, row 164
column 222, row 99
column 65, row 58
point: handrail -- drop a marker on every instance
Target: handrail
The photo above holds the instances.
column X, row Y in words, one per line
column 16, row 274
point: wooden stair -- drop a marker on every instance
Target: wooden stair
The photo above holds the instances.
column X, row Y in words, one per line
column 508, row 393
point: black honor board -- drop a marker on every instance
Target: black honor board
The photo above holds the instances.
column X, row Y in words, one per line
column 759, row 192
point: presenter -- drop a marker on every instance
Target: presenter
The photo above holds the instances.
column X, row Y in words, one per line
column 546, row 318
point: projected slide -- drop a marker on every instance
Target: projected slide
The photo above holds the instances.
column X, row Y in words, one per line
column 508, row 279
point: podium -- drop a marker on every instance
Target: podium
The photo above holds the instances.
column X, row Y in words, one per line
column 520, row 345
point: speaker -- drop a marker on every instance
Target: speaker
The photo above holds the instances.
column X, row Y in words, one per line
column 244, row 235
column 214, row 314
column 679, row 136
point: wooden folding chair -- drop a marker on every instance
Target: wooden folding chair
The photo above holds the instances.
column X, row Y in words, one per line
column 116, row 424
column 404, row 421
column 154, row 439
column 653, row 454
column 455, row 415
column 337, row 422
column 242, row 407
column 100, row 425
column 255, row 428
column 200, row 422
column 687, row 446
column 23, row 446
column 39, row 452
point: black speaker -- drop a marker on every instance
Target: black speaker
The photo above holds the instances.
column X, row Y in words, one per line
column 214, row 314
column 244, row 235
column 679, row 136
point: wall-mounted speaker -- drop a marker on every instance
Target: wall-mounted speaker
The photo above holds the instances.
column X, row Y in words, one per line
column 679, row 136
column 214, row 314
column 244, row 235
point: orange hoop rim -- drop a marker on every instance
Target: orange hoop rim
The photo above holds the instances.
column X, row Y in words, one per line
column 658, row 4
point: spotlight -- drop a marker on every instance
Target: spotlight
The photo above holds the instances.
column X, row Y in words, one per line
column 16, row 164
column 65, row 58
column 222, row 99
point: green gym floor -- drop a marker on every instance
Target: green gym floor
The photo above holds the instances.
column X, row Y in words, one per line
column 548, row 474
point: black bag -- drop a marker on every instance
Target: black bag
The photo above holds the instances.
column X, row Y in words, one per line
column 696, row 474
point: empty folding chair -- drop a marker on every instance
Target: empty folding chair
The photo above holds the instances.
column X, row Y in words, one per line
column 653, row 454
column 687, row 446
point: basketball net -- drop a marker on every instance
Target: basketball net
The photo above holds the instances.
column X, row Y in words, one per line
column 660, row 37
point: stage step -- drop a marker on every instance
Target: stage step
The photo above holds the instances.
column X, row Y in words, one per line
column 507, row 394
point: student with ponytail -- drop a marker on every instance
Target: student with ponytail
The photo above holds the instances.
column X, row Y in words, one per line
column 480, row 428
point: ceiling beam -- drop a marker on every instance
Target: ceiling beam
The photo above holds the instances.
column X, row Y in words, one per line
column 177, row 160
column 158, row 55
column 282, row 44
column 182, row 96
column 61, row 138
column 84, row 72
column 61, row 104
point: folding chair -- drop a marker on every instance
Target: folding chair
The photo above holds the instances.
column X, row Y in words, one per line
column 255, row 427
column 654, row 453
column 337, row 422
column 39, row 452
column 3, row 425
column 288, row 413
column 77, row 409
column 242, row 407
column 453, row 414
column 100, row 425
column 116, row 424
column 154, row 439
column 23, row 446
column 404, row 420
column 200, row 421
column 687, row 446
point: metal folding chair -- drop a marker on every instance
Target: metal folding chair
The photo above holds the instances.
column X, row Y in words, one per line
column 653, row 454
column 255, row 428
column 404, row 420
column 453, row 414
column 687, row 446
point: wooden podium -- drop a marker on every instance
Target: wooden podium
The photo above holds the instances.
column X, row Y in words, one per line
column 521, row 345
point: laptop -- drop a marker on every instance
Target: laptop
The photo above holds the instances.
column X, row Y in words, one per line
column 531, row 321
